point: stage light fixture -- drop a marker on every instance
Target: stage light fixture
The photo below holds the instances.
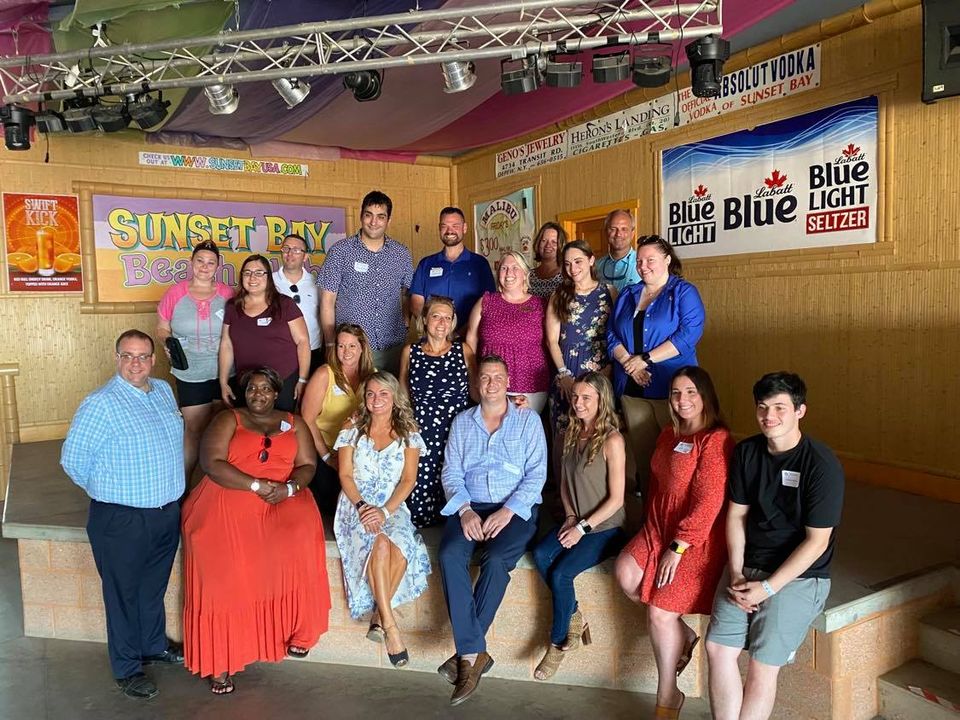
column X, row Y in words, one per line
column 527, row 78
column 292, row 90
column 611, row 67
column 111, row 118
column 364, row 84
column 706, row 57
column 16, row 126
column 222, row 99
column 458, row 76
column 78, row 115
column 147, row 111
column 49, row 122
column 564, row 74
column 651, row 72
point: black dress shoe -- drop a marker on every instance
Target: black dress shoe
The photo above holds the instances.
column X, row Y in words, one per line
column 170, row 656
column 137, row 686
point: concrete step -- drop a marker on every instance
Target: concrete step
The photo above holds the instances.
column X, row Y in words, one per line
column 940, row 639
column 898, row 702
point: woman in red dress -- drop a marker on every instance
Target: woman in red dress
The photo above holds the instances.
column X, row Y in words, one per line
column 254, row 553
column 674, row 563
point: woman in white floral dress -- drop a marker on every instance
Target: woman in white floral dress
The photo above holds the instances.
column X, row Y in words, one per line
column 385, row 563
column 576, row 328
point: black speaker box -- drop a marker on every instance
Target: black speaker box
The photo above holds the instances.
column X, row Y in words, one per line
column 941, row 49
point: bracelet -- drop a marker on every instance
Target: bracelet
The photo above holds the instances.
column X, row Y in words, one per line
column 564, row 371
column 326, row 457
column 464, row 509
column 291, row 490
column 301, row 381
column 386, row 513
column 767, row 588
column 569, row 516
column 579, row 527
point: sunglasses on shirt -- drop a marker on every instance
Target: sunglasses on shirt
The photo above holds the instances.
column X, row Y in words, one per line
column 295, row 289
column 265, row 444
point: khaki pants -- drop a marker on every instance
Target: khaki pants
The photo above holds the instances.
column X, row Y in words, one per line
column 644, row 420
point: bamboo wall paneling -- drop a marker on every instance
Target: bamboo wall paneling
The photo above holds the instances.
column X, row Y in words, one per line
column 63, row 353
column 874, row 329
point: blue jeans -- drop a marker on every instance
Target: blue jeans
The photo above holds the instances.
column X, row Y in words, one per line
column 559, row 566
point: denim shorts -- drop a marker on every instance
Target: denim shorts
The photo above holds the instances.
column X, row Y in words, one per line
column 776, row 630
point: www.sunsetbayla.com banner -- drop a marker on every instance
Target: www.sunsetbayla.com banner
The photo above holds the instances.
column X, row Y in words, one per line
column 143, row 245
column 808, row 181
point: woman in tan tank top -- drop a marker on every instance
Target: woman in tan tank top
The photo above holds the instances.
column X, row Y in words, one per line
column 591, row 489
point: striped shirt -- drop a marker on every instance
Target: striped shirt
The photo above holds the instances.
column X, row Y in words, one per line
column 507, row 466
column 125, row 446
column 369, row 287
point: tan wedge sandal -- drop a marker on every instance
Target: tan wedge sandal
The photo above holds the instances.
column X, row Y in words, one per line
column 550, row 664
column 579, row 631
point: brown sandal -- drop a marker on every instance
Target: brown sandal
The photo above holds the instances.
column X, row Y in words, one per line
column 663, row 712
column 578, row 631
column 550, row 664
column 222, row 687
column 687, row 655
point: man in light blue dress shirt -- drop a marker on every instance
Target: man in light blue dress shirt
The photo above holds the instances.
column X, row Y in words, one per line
column 125, row 449
column 619, row 267
column 495, row 466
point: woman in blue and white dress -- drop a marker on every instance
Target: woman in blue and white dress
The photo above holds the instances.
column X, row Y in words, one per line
column 385, row 563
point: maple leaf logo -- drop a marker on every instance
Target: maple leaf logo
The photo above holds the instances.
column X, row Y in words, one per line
column 775, row 180
column 700, row 190
column 850, row 150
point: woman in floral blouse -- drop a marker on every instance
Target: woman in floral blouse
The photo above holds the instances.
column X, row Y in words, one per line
column 576, row 328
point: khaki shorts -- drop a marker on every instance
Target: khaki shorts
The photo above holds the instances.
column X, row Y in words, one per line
column 773, row 633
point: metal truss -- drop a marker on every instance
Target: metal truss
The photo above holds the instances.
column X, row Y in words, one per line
column 509, row 30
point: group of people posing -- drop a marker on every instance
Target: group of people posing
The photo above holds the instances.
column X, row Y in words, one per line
column 581, row 369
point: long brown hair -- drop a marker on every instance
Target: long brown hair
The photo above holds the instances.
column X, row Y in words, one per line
column 564, row 295
column 366, row 356
column 401, row 417
column 271, row 294
column 606, row 422
column 712, row 417
column 538, row 240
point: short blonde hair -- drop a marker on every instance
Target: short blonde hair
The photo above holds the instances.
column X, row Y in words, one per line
column 522, row 262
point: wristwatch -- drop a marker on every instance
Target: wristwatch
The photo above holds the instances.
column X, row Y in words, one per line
column 255, row 486
column 676, row 547
column 645, row 356
column 584, row 526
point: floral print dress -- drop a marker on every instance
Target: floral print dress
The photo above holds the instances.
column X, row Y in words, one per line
column 377, row 474
column 583, row 344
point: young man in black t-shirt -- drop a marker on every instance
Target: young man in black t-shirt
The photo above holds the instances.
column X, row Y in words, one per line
column 786, row 494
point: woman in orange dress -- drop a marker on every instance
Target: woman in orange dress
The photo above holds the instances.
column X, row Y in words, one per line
column 674, row 563
column 254, row 552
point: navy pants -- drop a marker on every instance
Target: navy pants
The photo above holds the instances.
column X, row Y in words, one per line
column 559, row 566
column 134, row 550
column 472, row 608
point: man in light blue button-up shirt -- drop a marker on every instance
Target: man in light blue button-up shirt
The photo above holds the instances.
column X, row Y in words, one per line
column 494, row 468
column 125, row 449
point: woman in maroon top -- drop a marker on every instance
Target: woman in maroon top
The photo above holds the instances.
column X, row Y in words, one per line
column 262, row 328
column 509, row 323
column 674, row 563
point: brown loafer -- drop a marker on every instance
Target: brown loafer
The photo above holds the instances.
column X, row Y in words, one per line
column 448, row 671
column 468, row 677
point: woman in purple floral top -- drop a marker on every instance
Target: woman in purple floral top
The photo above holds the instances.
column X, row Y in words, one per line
column 577, row 327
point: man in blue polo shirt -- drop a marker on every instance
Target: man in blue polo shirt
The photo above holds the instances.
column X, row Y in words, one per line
column 454, row 272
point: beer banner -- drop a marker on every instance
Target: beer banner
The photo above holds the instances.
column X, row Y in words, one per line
column 787, row 74
column 42, row 235
column 143, row 245
column 808, row 181
column 507, row 223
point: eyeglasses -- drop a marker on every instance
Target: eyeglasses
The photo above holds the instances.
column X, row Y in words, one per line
column 128, row 357
column 254, row 273
column 292, row 250
column 295, row 289
column 265, row 444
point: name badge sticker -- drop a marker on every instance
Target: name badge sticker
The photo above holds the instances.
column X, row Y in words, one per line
column 284, row 426
column 263, row 322
column 436, row 272
column 683, row 447
column 219, row 314
column 360, row 266
column 337, row 390
column 511, row 468
column 790, row 478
